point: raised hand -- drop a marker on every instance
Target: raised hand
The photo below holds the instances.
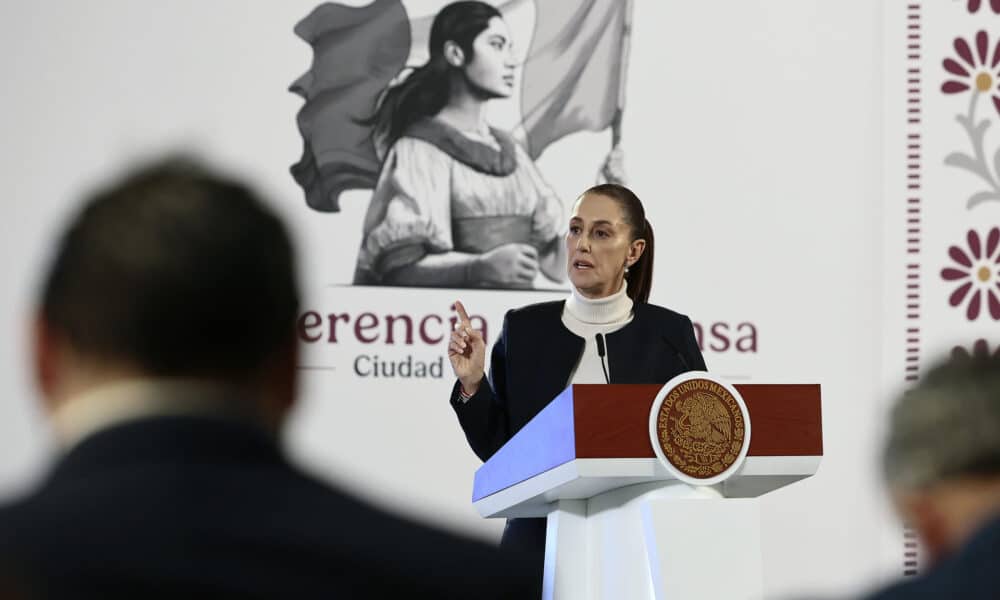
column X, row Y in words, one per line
column 467, row 352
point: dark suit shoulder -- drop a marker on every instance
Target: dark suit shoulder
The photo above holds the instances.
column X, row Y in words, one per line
column 16, row 519
column 539, row 310
column 551, row 312
column 968, row 573
column 182, row 525
column 661, row 314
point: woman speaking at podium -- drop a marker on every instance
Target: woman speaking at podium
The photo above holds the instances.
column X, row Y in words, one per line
column 604, row 332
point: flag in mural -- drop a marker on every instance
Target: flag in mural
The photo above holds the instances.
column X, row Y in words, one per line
column 356, row 53
column 573, row 76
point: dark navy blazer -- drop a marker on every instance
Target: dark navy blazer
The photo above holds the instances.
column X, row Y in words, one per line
column 532, row 361
column 970, row 573
column 186, row 507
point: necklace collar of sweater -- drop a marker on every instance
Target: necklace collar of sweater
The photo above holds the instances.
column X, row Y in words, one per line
column 598, row 311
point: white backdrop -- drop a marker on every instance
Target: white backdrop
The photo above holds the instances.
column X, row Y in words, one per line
column 752, row 131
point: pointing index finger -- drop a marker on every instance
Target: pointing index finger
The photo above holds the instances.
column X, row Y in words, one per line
column 462, row 315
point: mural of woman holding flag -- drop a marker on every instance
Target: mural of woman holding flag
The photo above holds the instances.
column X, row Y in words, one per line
column 458, row 203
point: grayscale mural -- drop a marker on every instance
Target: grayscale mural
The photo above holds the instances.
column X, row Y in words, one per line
column 456, row 202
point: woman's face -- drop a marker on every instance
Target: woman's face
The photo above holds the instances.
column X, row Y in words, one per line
column 599, row 245
column 490, row 72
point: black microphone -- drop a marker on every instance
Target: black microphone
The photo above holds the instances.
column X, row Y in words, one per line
column 680, row 355
column 600, row 352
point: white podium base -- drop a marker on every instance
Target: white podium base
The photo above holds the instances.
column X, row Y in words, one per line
column 661, row 540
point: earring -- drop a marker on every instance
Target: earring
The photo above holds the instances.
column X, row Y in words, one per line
column 626, row 269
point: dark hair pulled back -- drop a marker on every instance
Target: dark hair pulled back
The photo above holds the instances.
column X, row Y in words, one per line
column 640, row 275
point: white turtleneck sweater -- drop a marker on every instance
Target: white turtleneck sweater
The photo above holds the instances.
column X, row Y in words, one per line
column 586, row 318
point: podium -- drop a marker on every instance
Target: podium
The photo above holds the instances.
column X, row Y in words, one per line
column 620, row 525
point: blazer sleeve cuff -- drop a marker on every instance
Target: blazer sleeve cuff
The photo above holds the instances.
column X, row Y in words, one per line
column 458, row 400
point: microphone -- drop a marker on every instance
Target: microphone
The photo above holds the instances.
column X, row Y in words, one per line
column 601, row 352
column 680, row 355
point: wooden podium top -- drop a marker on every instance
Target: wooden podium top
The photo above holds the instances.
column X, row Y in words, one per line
column 612, row 422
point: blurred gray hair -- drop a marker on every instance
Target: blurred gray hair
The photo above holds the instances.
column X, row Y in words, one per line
column 947, row 426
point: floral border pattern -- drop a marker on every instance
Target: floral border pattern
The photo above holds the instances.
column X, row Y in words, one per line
column 975, row 70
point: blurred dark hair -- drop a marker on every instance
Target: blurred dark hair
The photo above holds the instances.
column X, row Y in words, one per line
column 177, row 270
column 424, row 92
column 640, row 275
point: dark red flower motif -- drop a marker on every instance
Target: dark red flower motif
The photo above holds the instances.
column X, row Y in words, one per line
column 974, row 5
column 978, row 274
column 977, row 70
column 979, row 349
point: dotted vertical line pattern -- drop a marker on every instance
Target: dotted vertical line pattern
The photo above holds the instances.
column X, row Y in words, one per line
column 913, row 212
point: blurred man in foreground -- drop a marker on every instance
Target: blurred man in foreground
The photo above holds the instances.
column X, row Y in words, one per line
column 165, row 351
column 942, row 465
